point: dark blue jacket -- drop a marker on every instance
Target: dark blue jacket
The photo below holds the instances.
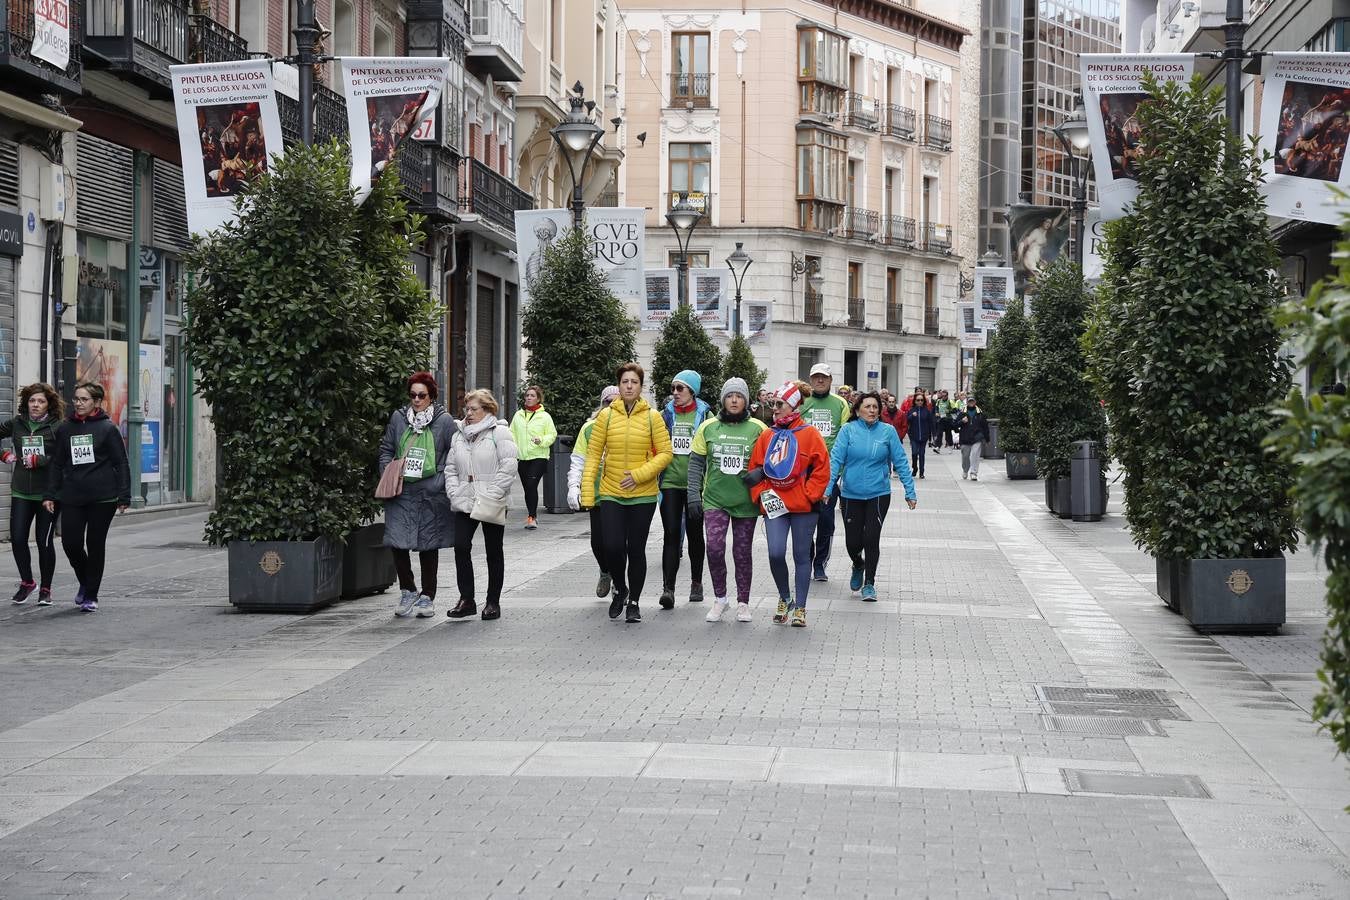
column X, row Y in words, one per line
column 921, row 424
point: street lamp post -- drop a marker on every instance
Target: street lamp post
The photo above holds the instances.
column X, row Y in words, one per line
column 306, row 38
column 739, row 262
column 683, row 217
column 1073, row 135
column 577, row 136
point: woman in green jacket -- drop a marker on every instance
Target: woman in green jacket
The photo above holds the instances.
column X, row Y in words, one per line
column 533, row 431
column 33, row 433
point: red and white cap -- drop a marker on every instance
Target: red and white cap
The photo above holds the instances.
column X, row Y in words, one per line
column 790, row 394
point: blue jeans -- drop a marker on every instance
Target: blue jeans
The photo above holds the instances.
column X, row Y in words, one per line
column 820, row 550
column 801, row 526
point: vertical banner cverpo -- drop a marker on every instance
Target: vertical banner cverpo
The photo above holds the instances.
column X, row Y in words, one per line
column 387, row 98
column 51, row 31
column 710, row 295
column 228, row 132
column 1112, row 91
column 1305, row 130
column 618, row 237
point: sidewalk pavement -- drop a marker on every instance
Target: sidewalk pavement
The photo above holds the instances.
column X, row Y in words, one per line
column 1018, row 715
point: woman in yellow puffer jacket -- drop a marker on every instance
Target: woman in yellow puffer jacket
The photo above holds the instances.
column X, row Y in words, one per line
column 631, row 439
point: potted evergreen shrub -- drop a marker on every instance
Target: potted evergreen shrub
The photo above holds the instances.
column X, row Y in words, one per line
column 740, row 363
column 304, row 324
column 1009, row 398
column 684, row 344
column 1063, row 406
column 1199, row 352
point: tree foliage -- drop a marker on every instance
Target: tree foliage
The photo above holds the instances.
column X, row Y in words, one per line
column 1004, row 394
column 740, row 363
column 576, row 331
column 303, row 326
column 684, row 344
column 1191, row 328
column 1061, row 404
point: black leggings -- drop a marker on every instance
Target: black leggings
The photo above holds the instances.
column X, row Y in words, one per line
column 496, row 558
column 429, row 559
column 625, row 529
column 598, row 541
column 862, row 532
column 674, row 505
column 84, row 537
column 531, row 470
column 21, row 515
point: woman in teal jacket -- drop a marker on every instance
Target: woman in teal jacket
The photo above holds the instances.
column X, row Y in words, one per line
column 865, row 452
column 533, row 431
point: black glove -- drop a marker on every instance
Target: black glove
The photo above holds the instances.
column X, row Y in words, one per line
column 694, row 511
column 819, row 507
column 752, row 477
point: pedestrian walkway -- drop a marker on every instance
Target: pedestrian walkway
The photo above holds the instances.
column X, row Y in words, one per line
column 1017, row 716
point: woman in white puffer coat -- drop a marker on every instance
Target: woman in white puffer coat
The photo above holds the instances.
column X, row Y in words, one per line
column 479, row 473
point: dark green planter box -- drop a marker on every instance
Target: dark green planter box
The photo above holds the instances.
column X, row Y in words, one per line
column 285, row 576
column 1021, row 466
column 1058, row 497
column 1233, row 596
column 1169, row 582
column 367, row 565
column 990, row 448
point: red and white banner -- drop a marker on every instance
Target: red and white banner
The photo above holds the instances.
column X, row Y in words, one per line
column 388, row 98
column 51, row 32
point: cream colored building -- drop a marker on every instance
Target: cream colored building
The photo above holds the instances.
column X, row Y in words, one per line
column 843, row 136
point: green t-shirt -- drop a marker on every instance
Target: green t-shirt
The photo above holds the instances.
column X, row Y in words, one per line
column 676, row 474
column 828, row 414
column 727, row 450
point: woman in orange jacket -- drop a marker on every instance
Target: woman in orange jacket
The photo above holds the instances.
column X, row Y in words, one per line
column 789, row 469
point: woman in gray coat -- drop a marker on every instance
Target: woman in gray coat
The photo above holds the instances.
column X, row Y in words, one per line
column 420, row 518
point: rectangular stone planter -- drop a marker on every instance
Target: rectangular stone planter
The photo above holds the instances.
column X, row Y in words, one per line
column 1169, row 582
column 1020, row 466
column 367, row 565
column 1233, row 596
column 1058, row 496
column 285, row 576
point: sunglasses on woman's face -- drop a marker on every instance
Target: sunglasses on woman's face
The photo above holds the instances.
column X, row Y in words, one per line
column 418, row 395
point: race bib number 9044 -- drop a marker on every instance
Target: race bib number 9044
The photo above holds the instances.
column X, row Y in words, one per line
column 81, row 449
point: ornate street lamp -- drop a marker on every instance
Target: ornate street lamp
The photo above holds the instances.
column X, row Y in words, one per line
column 1073, row 136
column 577, row 136
column 739, row 261
column 683, row 218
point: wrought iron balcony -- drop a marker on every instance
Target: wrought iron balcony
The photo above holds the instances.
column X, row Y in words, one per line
column 900, row 231
column 691, row 89
column 607, row 198
column 895, row 317
column 860, row 224
column 937, row 133
column 490, row 195
column 815, row 308
column 414, row 171
column 439, row 197
column 330, row 114
column 17, row 61
column 210, row 41
column 859, row 111
column 899, row 122
column 137, row 39
column 930, row 322
column 857, row 312
column 936, row 238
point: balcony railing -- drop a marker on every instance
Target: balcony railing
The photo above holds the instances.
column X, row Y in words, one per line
column 440, row 183
column 330, row 114
column 930, row 322
column 937, row 133
column 895, row 317
column 497, row 35
column 859, row 111
column 860, row 224
column 700, row 200
column 607, row 199
column 815, row 308
column 209, row 41
column 139, row 39
column 414, row 170
column 857, row 312
column 691, row 89
column 899, row 122
column 485, row 193
column 900, row 231
column 16, row 49
column 936, row 238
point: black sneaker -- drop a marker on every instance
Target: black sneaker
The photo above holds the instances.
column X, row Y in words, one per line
column 616, row 605
column 44, row 597
column 633, row 614
column 667, row 600
column 602, row 587
column 24, row 592
column 696, row 592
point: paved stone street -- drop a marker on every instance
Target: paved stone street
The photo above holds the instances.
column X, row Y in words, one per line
column 1019, row 715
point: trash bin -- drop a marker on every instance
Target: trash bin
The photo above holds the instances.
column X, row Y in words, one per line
column 990, row 448
column 1085, row 483
column 555, row 476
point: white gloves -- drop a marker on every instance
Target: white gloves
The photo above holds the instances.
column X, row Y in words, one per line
column 574, row 498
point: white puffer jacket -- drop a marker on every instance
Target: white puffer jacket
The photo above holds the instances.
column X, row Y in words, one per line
column 482, row 458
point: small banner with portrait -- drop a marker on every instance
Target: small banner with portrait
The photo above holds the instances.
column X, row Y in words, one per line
column 229, row 131
column 993, row 292
column 388, row 97
column 757, row 320
column 536, row 231
column 972, row 336
column 1305, row 127
column 710, row 295
column 1037, row 235
column 659, row 299
column 1113, row 88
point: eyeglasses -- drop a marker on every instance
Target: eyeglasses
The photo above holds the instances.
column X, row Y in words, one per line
column 418, row 395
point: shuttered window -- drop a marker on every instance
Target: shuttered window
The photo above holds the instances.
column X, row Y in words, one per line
column 484, row 329
column 169, row 227
column 9, row 174
column 103, row 188
column 7, row 385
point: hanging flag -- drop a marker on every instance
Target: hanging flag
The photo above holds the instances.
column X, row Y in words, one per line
column 1305, row 133
column 1037, row 235
column 1112, row 91
column 710, row 294
column 618, row 240
column 758, row 319
column 1094, row 240
column 228, row 132
column 658, row 300
column 387, row 98
column 973, row 337
column 51, row 31
column 993, row 291
column 536, row 231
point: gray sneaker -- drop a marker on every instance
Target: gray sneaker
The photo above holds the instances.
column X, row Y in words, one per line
column 425, row 606
column 405, row 604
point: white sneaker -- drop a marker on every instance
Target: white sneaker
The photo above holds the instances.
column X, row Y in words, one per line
column 742, row 612
column 715, row 614
column 405, row 604
column 974, row 478
column 425, row 607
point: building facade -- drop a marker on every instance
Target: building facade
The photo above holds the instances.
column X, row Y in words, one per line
column 825, row 138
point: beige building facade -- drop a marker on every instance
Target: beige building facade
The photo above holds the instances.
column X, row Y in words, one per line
column 838, row 138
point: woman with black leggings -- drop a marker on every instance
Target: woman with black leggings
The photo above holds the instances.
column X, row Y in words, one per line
column 632, row 441
column 91, row 480
column 33, row 433
column 534, row 433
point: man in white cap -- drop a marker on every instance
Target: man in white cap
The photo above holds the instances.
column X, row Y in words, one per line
column 828, row 412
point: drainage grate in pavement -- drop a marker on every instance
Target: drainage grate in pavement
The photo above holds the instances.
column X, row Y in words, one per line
column 1103, row 726
column 1125, row 710
column 1103, row 695
column 1137, row 784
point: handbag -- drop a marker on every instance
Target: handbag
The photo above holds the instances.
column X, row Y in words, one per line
column 489, row 512
column 391, row 481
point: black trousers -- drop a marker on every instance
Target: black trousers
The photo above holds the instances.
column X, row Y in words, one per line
column 496, row 558
column 22, row 514
column 531, row 471
column 625, row 528
column 862, row 532
column 84, row 537
column 674, row 521
column 597, row 541
column 430, row 563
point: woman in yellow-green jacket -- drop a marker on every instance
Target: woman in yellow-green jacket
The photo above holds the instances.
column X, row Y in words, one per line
column 532, row 430
column 631, row 439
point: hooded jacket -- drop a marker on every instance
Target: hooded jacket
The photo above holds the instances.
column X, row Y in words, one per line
column 801, row 486
column 482, row 460
column 526, row 426
column 634, row 442
column 676, row 475
column 31, row 484
column 90, row 463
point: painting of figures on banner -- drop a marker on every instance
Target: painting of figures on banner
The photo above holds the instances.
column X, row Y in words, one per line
column 1122, row 132
column 1314, row 125
column 234, row 150
column 391, row 117
column 1305, row 128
